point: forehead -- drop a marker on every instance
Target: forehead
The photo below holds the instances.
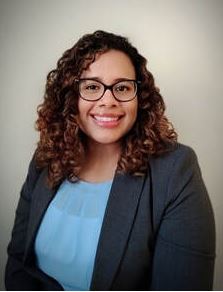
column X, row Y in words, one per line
column 111, row 64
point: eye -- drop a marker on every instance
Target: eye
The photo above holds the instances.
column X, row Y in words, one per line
column 123, row 87
column 91, row 87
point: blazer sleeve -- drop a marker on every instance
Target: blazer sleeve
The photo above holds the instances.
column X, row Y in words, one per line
column 16, row 278
column 185, row 244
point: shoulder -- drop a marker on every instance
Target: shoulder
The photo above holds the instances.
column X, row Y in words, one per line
column 32, row 177
column 175, row 173
column 177, row 177
column 33, row 170
column 175, row 154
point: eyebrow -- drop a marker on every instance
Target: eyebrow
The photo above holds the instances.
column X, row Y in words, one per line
column 114, row 81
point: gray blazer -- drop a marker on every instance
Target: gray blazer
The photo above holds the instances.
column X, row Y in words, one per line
column 158, row 231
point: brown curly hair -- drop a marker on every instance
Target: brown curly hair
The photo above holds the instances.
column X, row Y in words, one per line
column 61, row 145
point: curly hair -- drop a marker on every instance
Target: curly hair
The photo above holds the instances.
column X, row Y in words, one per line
column 61, row 146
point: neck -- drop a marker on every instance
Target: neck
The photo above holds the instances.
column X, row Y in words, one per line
column 101, row 161
column 103, row 152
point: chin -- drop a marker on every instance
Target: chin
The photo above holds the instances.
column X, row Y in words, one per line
column 107, row 139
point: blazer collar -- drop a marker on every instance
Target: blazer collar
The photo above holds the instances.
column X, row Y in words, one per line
column 118, row 220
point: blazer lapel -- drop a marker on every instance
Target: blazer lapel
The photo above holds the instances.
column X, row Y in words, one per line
column 118, row 220
column 41, row 197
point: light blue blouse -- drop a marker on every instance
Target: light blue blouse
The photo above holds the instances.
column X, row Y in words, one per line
column 67, row 239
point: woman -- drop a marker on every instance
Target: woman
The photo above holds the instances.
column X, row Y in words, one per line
column 111, row 200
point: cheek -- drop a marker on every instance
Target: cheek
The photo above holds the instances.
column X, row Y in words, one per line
column 132, row 111
column 82, row 112
column 83, row 107
column 80, row 106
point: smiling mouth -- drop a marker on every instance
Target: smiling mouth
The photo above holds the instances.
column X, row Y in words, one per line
column 107, row 120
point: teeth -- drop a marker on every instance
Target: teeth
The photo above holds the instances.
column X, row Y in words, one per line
column 105, row 119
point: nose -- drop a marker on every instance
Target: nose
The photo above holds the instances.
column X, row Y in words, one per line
column 108, row 99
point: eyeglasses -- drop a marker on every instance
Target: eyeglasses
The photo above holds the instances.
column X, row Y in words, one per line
column 93, row 90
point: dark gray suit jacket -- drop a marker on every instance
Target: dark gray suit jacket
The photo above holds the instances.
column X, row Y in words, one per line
column 158, row 231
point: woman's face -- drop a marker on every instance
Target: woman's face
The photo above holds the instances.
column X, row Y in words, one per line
column 107, row 120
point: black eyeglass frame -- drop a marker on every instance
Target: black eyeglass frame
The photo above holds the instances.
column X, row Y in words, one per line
column 110, row 87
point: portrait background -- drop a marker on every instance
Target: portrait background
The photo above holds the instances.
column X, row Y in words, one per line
column 183, row 42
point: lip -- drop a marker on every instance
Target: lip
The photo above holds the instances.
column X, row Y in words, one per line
column 107, row 120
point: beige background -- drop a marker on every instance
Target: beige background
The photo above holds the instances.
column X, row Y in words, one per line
column 183, row 41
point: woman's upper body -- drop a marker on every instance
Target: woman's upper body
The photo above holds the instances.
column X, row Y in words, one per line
column 157, row 232
column 103, row 119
